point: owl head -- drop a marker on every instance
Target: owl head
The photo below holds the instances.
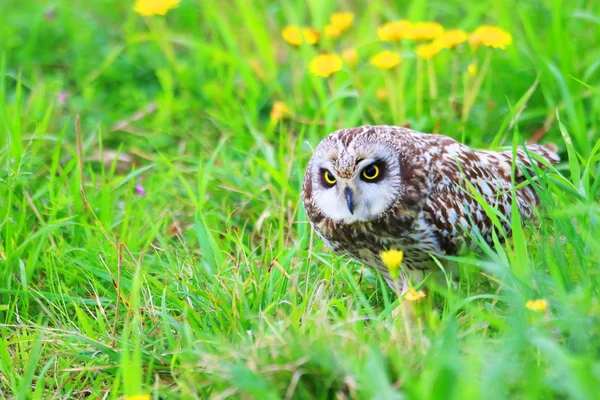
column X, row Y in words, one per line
column 353, row 176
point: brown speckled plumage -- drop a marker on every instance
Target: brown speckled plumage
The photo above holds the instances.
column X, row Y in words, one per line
column 433, row 179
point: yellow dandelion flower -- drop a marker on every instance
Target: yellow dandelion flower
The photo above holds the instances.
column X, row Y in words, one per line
column 311, row 36
column 425, row 31
column 381, row 94
column 279, row 111
column 137, row 397
column 332, row 31
column 392, row 260
column 294, row 35
column 414, row 295
column 472, row 69
column 154, row 7
column 342, row 21
column 325, row 64
column 385, row 59
column 539, row 305
column 393, row 31
column 350, row 56
column 490, row 36
column 452, row 38
column 427, row 51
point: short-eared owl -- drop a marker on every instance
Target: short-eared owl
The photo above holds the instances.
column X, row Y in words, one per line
column 377, row 188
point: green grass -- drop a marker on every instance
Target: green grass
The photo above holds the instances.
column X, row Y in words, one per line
column 212, row 284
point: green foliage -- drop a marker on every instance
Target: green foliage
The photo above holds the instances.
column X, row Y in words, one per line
column 212, row 283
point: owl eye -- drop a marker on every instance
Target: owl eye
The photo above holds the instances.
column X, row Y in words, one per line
column 329, row 178
column 370, row 172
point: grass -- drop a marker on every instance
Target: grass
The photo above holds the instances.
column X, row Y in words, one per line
column 212, row 285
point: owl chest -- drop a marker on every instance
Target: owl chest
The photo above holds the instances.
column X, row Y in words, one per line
column 365, row 242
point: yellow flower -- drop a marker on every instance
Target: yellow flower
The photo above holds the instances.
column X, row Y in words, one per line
column 427, row 51
column 294, row 35
column 472, row 69
column 325, row 64
column 392, row 260
column 332, row 31
column 137, row 397
column 342, row 21
column 414, row 295
column 350, row 56
column 279, row 111
column 154, row 7
column 490, row 36
column 451, row 38
column 426, row 31
column 385, row 59
column 310, row 35
column 381, row 94
column 539, row 305
column 393, row 31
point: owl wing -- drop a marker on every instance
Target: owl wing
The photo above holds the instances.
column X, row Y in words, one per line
column 468, row 186
column 501, row 162
column 463, row 185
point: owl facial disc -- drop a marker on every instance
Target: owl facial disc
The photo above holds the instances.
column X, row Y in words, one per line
column 354, row 181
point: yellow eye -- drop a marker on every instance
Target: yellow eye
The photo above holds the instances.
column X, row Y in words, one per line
column 371, row 172
column 329, row 178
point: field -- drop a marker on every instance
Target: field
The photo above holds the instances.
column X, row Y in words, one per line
column 153, row 240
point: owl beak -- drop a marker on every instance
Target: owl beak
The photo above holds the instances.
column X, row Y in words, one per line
column 349, row 200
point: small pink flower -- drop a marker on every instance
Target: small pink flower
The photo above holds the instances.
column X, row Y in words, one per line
column 62, row 97
column 139, row 189
column 50, row 14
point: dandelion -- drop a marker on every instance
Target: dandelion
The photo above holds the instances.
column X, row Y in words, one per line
column 472, row 69
column 342, row 21
column 428, row 51
column 414, row 295
column 425, row 31
column 385, row 60
column 154, row 7
column 392, row 260
column 311, row 36
column 332, row 31
column 451, row 38
column 137, row 397
column 325, row 64
column 279, row 111
column 294, row 35
column 350, row 56
column 539, row 305
column 393, row 31
column 490, row 36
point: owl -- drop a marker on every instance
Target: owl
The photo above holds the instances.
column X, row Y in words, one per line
column 376, row 188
